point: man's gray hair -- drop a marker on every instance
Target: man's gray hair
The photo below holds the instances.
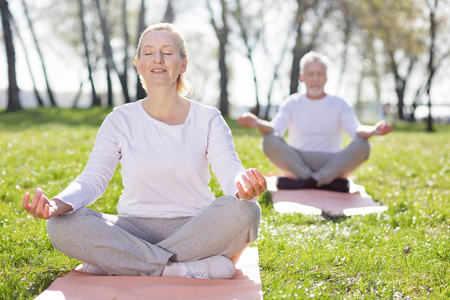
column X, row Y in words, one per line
column 313, row 56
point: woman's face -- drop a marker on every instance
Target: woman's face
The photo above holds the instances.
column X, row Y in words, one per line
column 159, row 59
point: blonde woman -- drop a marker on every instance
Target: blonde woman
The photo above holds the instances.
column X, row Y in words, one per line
column 168, row 223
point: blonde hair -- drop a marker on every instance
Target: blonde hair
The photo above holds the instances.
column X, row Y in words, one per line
column 313, row 56
column 184, row 87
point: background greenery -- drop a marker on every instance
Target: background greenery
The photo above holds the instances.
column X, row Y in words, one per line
column 300, row 256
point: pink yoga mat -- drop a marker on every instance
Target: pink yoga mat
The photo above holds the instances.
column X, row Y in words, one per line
column 246, row 284
column 318, row 202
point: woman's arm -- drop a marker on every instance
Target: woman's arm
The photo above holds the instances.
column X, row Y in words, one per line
column 226, row 165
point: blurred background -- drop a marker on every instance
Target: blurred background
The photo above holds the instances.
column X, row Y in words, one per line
column 388, row 58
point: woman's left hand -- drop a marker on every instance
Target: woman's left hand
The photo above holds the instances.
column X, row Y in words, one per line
column 250, row 184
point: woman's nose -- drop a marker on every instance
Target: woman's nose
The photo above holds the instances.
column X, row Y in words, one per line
column 159, row 57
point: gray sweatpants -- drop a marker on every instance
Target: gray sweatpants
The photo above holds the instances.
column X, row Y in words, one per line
column 142, row 246
column 324, row 167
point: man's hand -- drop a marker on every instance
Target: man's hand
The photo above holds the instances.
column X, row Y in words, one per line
column 248, row 120
column 382, row 128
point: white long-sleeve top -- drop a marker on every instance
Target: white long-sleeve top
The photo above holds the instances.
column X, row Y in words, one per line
column 315, row 125
column 165, row 168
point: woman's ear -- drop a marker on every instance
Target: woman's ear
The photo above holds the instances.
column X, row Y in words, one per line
column 184, row 66
column 138, row 68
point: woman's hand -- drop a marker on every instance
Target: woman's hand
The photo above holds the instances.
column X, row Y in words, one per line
column 43, row 208
column 250, row 184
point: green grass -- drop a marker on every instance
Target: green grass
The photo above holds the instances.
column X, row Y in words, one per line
column 359, row 257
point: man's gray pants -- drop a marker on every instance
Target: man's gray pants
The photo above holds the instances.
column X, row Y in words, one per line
column 324, row 167
column 124, row 245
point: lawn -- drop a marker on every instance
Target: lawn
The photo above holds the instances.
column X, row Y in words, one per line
column 301, row 257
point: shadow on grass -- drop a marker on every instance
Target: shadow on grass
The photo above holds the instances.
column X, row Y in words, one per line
column 37, row 117
column 265, row 200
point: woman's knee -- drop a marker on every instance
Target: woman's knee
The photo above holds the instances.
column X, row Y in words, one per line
column 60, row 228
column 245, row 214
column 56, row 230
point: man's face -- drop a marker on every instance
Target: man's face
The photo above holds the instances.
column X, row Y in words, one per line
column 314, row 76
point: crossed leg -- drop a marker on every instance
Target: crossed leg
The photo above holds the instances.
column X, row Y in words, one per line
column 124, row 245
column 324, row 167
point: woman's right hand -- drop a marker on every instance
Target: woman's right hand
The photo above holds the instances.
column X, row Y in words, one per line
column 43, row 208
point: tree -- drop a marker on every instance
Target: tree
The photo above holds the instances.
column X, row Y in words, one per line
column 348, row 22
column 276, row 70
column 222, row 33
column 391, row 22
column 41, row 57
column 320, row 11
column 27, row 58
column 107, row 51
column 95, row 98
column 250, row 28
column 435, row 16
column 110, row 64
column 13, row 89
column 432, row 7
column 123, row 77
column 169, row 16
column 140, row 92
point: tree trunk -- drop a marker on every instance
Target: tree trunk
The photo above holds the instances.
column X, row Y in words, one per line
column 95, row 98
column 222, row 36
column 38, row 48
column 400, row 85
column 296, row 56
column 299, row 50
column 431, row 68
column 140, row 92
column 348, row 28
column 275, row 76
column 110, row 65
column 244, row 22
column 109, row 85
column 108, row 53
column 223, row 104
column 27, row 58
column 400, row 82
column 124, row 76
column 13, row 89
column 169, row 16
column 257, row 108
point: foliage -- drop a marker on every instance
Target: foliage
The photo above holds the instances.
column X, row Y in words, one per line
column 377, row 38
column 300, row 256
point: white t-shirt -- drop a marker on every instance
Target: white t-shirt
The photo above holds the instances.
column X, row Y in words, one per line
column 315, row 125
column 165, row 168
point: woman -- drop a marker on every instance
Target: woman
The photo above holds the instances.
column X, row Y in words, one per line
column 169, row 223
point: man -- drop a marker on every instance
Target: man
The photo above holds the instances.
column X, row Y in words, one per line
column 313, row 156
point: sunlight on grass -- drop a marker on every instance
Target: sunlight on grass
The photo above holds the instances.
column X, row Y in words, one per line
column 300, row 256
